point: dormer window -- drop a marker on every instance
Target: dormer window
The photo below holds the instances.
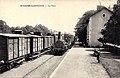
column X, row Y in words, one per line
column 103, row 15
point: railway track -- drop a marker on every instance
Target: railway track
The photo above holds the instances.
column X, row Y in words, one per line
column 45, row 69
column 26, row 68
column 37, row 67
column 50, row 71
column 42, row 67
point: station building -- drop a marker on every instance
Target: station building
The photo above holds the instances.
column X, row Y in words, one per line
column 96, row 24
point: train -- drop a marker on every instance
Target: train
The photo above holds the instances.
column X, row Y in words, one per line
column 17, row 48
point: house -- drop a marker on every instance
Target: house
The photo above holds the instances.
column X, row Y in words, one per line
column 96, row 23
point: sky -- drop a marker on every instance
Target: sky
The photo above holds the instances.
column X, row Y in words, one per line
column 59, row 15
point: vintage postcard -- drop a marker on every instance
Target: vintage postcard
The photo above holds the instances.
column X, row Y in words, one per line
column 59, row 38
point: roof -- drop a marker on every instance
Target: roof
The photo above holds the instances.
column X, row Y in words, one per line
column 36, row 36
column 33, row 35
column 12, row 35
column 101, row 10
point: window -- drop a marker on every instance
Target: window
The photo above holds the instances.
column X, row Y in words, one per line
column 103, row 15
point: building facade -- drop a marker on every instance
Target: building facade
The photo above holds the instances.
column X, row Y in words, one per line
column 96, row 24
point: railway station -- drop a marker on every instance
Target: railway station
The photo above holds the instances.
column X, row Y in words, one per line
column 60, row 39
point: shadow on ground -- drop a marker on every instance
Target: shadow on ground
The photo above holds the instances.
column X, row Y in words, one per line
column 91, row 55
column 105, row 54
column 110, row 55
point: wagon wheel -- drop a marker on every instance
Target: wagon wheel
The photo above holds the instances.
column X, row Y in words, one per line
column 9, row 66
column 1, row 70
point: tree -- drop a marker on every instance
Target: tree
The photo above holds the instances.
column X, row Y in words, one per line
column 24, row 30
column 43, row 29
column 4, row 28
column 38, row 28
column 81, row 26
column 29, row 28
column 12, row 29
column 118, row 1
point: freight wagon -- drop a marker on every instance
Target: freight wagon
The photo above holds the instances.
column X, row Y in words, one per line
column 13, row 48
column 36, row 46
column 16, row 48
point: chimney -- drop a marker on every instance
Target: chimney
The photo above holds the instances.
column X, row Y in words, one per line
column 99, row 7
column 59, row 35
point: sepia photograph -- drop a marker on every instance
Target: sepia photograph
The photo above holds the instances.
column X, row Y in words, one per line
column 59, row 38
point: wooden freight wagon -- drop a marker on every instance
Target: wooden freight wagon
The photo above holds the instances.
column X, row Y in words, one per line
column 36, row 46
column 51, row 40
column 40, row 43
column 48, row 41
column 13, row 48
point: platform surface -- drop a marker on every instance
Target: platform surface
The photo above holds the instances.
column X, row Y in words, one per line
column 79, row 63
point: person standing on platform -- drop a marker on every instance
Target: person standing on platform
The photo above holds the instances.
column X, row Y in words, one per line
column 98, row 56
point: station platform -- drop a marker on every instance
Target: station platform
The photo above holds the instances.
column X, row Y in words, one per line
column 78, row 63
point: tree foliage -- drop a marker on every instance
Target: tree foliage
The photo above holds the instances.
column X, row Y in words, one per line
column 118, row 1
column 4, row 28
column 41, row 28
column 111, row 33
column 68, row 37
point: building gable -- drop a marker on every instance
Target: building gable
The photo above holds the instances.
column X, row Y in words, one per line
column 104, row 8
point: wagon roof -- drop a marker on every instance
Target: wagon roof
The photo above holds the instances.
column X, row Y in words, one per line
column 33, row 35
column 48, row 36
column 36, row 36
column 12, row 35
